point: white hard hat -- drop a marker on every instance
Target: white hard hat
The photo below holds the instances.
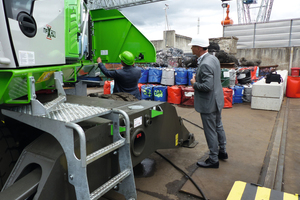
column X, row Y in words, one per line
column 199, row 41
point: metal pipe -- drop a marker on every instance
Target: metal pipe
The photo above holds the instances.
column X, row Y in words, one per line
column 83, row 30
column 82, row 140
column 291, row 59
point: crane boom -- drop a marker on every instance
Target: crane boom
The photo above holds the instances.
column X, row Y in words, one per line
column 264, row 12
column 269, row 10
column 116, row 4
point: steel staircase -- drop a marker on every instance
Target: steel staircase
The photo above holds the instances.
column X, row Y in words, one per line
column 61, row 122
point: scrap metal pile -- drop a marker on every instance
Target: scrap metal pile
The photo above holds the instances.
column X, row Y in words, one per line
column 174, row 57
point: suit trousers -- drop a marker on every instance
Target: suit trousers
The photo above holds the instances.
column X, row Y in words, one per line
column 214, row 134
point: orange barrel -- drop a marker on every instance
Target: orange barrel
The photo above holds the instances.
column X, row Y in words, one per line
column 227, row 97
column 293, row 87
column 174, row 94
column 106, row 87
column 140, row 86
column 295, row 71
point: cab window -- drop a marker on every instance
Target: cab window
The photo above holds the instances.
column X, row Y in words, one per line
column 14, row 7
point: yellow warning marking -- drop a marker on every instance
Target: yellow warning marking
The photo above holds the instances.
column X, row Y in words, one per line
column 287, row 196
column 263, row 193
column 176, row 139
column 237, row 191
column 45, row 76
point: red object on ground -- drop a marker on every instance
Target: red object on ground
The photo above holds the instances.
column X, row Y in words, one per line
column 295, row 71
column 140, row 86
column 187, row 96
column 227, row 97
column 174, row 94
column 293, row 87
column 106, row 87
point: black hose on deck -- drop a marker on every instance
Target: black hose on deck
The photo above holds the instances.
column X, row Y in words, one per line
column 192, row 123
column 186, row 175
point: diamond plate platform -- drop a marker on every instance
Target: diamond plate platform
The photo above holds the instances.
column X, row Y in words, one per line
column 68, row 112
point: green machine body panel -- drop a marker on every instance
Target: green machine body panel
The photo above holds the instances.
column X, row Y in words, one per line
column 16, row 83
column 72, row 22
column 110, row 34
column 114, row 33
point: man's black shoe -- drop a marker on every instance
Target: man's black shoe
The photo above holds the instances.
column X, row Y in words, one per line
column 223, row 156
column 208, row 164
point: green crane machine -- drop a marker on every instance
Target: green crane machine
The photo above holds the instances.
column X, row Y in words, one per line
column 61, row 146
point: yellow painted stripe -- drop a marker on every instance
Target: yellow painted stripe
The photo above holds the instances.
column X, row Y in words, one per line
column 287, row 196
column 263, row 193
column 237, row 191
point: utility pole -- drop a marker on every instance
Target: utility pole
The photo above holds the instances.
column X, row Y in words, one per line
column 198, row 25
column 167, row 25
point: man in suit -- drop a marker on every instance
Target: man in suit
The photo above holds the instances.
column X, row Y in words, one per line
column 126, row 79
column 209, row 101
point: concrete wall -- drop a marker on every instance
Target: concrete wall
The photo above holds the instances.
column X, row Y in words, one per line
column 158, row 44
column 284, row 57
column 171, row 39
column 181, row 42
column 227, row 44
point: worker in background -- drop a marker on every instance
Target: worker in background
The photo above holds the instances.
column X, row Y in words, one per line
column 209, row 101
column 125, row 79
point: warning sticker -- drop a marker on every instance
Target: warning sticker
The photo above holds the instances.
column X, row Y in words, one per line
column 26, row 58
column 188, row 94
column 104, row 52
column 45, row 76
column 137, row 121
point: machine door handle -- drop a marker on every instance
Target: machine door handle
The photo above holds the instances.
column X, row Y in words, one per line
column 27, row 24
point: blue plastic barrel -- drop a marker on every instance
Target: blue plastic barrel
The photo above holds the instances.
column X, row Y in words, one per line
column 238, row 94
column 160, row 93
column 191, row 72
column 147, row 92
column 144, row 76
column 181, row 76
column 154, row 75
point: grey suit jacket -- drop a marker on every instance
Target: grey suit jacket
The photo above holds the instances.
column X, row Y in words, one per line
column 209, row 95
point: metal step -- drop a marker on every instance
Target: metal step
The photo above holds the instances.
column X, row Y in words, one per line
column 68, row 112
column 52, row 104
column 104, row 151
column 110, row 184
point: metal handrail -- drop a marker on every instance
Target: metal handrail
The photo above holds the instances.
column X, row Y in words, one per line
column 82, row 140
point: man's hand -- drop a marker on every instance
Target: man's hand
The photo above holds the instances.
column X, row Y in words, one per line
column 193, row 80
column 99, row 60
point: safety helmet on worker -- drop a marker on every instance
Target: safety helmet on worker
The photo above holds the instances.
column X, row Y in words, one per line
column 199, row 41
column 127, row 57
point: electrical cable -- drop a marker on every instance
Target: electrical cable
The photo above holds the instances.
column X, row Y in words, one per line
column 186, row 175
column 192, row 123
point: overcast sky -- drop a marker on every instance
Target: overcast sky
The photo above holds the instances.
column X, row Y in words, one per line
column 183, row 16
